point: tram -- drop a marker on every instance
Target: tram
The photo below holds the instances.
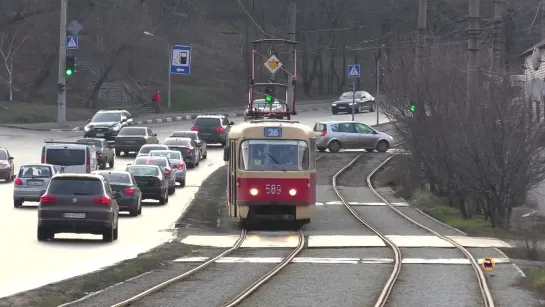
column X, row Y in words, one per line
column 271, row 171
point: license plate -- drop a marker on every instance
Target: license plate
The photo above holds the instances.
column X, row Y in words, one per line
column 100, row 134
column 342, row 107
column 143, row 183
column 75, row 215
column 207, row 134
column 35, row 183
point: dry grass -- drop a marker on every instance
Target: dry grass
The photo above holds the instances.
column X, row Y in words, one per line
column 23, row 113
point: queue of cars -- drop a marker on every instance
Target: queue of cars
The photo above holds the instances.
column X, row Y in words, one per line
column 77, row 193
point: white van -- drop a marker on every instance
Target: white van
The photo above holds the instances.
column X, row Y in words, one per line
column 70, row 157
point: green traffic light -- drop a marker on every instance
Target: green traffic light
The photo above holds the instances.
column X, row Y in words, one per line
column 412, row 108
column 69, row 72
column 268, row 98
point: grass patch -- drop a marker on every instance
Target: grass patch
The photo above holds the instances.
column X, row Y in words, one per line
column 72, row 289
column 537, row 278
column 184, row 100
column 26, row 113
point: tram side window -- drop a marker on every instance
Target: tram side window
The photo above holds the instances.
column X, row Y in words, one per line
column 274, row 155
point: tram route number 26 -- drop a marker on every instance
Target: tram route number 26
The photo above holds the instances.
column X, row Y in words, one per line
column 273, row 189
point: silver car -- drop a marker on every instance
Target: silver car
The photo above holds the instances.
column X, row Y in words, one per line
column 31, row 182
column 178, row 164
column 337, row 135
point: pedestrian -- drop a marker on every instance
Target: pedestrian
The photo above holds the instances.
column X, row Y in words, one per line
column 156, row 102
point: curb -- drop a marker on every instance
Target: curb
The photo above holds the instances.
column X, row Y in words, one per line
column 160, row 120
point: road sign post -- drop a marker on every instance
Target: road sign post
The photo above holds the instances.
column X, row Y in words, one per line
column 180, row 60
column 72, row 42
column 354, row 73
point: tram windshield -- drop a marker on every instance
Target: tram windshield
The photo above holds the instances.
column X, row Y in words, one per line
column 274, row 155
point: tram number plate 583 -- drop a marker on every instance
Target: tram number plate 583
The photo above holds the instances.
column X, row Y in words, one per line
column 274, row 189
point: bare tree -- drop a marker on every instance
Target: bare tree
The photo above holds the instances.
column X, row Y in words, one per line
column 8, row 54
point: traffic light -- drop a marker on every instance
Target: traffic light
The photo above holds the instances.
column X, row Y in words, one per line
column 412, row 108
column 268, row 95
column 70, row 65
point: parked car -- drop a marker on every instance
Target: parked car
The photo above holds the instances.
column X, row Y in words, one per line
column 107, row 124
column 131, row 139
column 363, row 102
column 194, row 136
column 337, row 135
column 166, row 167
column 184, row 146
column 178, row 164
column 212, row 128
column 78, row 203
column 151, row 181
column 31, row 182
column 7, row 168
column 130, row 195
column 105, row 152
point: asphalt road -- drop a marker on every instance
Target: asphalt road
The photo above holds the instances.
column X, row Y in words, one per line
column 33, row 264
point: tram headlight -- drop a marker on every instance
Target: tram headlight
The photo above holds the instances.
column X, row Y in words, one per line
column 254, row 192
column 293, row 192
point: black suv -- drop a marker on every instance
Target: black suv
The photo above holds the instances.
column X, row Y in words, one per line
column 107, row 123
column 212, row 129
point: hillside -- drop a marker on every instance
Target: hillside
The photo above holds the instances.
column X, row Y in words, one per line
column 118, row 63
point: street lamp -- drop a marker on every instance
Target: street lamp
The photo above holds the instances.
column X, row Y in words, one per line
column 168, row 50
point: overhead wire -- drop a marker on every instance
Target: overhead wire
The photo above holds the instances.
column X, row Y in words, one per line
column 256, row 24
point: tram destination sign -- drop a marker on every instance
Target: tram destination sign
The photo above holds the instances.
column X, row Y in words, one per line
column 273, row 132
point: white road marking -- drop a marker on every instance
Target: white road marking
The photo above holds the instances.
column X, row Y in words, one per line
column 289, row 240
column 447, row 261
column 361, row 204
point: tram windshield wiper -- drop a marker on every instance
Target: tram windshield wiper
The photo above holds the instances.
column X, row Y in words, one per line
column 276, row 161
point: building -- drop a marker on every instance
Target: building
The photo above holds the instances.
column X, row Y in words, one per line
column 534, row 71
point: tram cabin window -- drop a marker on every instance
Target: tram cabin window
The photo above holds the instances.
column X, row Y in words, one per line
column 274, row 155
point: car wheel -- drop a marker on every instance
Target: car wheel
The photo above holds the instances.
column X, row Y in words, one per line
column 116, row 232
column 334, row 146
column 372, row 109
column 44, row 234
column 8, row 178
column 112, row 162
column 163, row 199
column 182, row 183
column 320, row 149
column 118, row 152
column 108, row 235
column 334, row 112
column 171, row 190
column 205, row 155
column 17, row 203
column 134, row 211
column 139, row 206
column 102, row 166
column 383, row 146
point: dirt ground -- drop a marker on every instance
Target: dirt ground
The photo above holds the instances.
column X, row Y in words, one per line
column 203, row 211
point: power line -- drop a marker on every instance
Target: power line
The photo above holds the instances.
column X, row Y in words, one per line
column 252, row 19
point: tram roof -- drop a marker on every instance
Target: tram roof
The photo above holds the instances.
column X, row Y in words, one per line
column 295, row 127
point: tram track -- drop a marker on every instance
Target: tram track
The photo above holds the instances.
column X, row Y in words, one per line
column 238, row 298
column 398, row 257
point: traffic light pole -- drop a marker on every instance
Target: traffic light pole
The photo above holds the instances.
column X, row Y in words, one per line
column 353, row 99
column 61, row 101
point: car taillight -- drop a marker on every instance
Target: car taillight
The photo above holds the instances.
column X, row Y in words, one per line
column 181, row 165
column 157, row 181
column 324, row 132
column 47, row 200
column 102, row 200
column 167, row 172
column 43, row 158
column 99, row 154
column 128, row 191
column 220, row 129
column 189, row 150
column 18, row 181
column 194, row 128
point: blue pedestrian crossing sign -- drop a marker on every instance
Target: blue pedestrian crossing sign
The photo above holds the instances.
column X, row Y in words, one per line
column 354, row 71
column 72, row 42
column 180, row 60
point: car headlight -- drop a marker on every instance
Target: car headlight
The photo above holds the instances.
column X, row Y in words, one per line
column 116, row 127
column 333, row 104
column 86, row 128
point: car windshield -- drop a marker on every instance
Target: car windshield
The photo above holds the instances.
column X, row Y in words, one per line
column 106, row 117
column 151, row 161
column 147, row 149
column 174, row 155
column 143, row 171
column 97, row 143
column 181, row 134
column 3, row 155
column 133, row 131
column 116, row 177
column 75, row 186
column 35, row 171
column 348, row 95
column 207, row 122
column 177, row 141
column 274, row 155
column 65, row 156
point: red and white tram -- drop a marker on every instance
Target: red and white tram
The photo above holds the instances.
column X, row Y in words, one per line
column 271, row 171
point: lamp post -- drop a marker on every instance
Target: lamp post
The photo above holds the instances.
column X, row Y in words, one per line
column 169, row 55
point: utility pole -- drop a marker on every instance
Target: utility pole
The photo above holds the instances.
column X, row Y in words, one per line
column 473, row 47
column 498, row 42
column 421, row 34
column 542, row 7
column 61, row 100
column 293, row 36
column 377, row 103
